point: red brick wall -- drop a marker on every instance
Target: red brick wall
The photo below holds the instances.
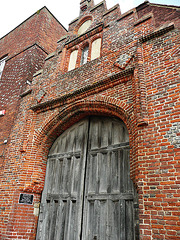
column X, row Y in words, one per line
column 161, row 14
column 17, row 71
column 159, row 145
column 26, row 47
column 41, row 28
column 144, row 93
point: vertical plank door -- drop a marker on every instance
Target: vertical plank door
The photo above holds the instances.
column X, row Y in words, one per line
column 88, row 193
column 62, row 198
column 108, row 201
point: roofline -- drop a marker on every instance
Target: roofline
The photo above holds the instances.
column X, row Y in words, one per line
column 140, row 5
column 31, row 17
column 164, row 5
column 147, row 3
column 54, row 17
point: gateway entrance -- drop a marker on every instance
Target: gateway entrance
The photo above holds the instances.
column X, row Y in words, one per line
column 88, row 193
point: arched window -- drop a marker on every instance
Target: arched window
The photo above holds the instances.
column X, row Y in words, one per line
column 96, row 49
column 84, row 56
column 84, row 27
column 73, row 59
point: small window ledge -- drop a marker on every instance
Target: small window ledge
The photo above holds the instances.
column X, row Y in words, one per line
column 38, row 73
column 50, row 56
column 25, row 93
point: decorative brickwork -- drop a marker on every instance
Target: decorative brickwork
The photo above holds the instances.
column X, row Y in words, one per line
column 135, row 79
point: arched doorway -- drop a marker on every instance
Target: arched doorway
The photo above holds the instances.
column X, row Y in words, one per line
column 88, row 193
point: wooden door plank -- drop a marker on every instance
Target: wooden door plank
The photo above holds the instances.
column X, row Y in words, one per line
column 63, row 192
column 61, row 218
column 129, row 220
column 103, row 173
column 108, row 185
column 122, row 212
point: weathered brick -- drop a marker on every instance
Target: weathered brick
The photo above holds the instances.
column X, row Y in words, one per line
column 134, row 79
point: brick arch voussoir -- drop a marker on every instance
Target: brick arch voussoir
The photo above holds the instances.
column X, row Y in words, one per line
column 81, row 21
column 111, row 100
column 62, row 120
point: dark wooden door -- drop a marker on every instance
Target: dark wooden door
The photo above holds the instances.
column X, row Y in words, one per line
column 88, row 193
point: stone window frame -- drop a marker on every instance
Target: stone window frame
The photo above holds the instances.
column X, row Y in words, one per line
column 80, row 48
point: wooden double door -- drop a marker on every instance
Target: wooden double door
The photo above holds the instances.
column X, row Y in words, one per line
column 88, row 193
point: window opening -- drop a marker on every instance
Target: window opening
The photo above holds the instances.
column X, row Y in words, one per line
column 2, row 64
column 84, row 56
column 73, row 59
column 96, row 49
column 84, row 27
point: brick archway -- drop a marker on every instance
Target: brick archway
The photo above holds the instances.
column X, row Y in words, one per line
column 60, row 121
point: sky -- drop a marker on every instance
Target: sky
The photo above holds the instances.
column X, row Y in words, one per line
column 14, row 12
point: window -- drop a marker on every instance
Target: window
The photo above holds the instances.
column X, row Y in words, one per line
column 84, row 27
column 89, row 51
column 73, row 59
column 96, row 49
column 2, row 64
column 84, row 56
